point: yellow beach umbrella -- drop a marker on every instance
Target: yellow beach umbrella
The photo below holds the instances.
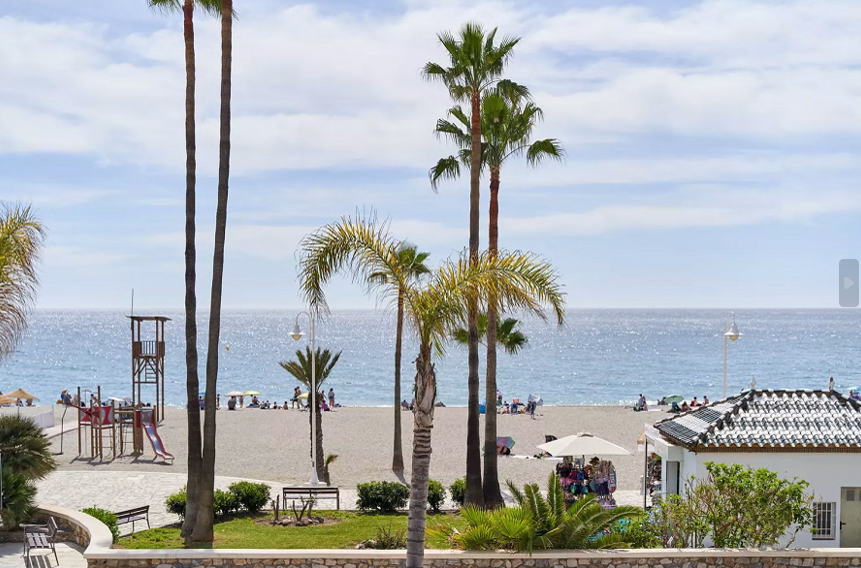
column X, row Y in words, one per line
column 251, row 393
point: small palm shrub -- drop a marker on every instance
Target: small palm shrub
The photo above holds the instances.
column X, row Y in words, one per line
column 19, row 497
column 457, row 491
column 436, row 495
column 251, row 496
column 537, row 522
column 176, row 503
column 107, row 518
column 382, row 496
column 25, row 448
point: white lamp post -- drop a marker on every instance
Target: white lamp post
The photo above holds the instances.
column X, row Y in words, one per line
column 297, row 334
column 731, row 333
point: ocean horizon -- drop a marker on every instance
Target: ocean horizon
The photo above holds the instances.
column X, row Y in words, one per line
column 600, row 356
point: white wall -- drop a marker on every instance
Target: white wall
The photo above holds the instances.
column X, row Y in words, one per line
column 826, row 474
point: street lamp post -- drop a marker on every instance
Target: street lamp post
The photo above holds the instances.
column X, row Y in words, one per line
column 731, row 333
column 297, row 334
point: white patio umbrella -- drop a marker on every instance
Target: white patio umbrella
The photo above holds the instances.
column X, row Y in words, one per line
column 583, row 444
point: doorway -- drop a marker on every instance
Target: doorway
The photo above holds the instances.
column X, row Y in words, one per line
column 850, row 517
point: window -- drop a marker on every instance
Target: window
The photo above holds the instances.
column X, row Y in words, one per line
column 824, row 521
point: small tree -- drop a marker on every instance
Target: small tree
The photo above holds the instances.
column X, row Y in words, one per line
column 301, row 369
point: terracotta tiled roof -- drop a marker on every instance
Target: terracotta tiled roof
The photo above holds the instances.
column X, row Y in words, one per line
column 769, row 419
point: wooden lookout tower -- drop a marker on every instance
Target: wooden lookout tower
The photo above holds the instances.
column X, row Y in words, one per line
column 148, row 363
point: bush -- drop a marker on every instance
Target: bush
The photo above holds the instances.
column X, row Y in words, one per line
column 382, row 496
column 176, row 503
column 251, row 496
column 457, row 490
column 108, row 518
column 19, row 497
column 436, row 495
column 25, row 448
column 388, row 538
column 224, row 502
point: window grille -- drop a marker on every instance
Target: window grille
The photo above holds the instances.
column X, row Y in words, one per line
column 824, row 521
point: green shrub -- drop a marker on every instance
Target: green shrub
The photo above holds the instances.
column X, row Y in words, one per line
column 388, row 538
column 25, row 448
column 436, row 495
column 176, row 503
column 251, row 496
column 382, row 496
column 224, row 502
column 19, row 497
column 457, row 490
column 108, row 518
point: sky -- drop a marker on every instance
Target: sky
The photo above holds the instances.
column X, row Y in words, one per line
column 711, row 147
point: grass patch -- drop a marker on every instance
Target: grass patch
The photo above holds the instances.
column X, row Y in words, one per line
column 243, row 532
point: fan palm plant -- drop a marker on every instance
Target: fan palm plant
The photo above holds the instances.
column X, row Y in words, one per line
column 432, row 308
column 21, row 237
column 301, row 369
column 508, row 336
column 476, row 63
column 414, row 267
column 192, row 381
column 24, row 448
column 538, row 522
column 508, row 117
column 19, row 498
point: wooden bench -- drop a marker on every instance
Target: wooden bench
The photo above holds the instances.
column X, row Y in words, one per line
column 39, row 537
column 313, row 492
column 132, row 515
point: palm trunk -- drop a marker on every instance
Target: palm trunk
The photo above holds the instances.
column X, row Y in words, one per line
column 317, row 415
column 203, row 527
column 492, row 495
column 422, row 425
column 474, row 492
column 192, row 381
column 397, row 449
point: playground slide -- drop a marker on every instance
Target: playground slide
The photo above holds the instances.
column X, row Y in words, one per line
column 154, row 439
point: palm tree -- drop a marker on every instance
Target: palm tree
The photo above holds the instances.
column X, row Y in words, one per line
column 413, row 265
column 475, row 63
column 508, row 118
column 432, row 309
column 21, row 237
column 202, row 529
column 24, row 448
column 301, row 369
column 512, row 339
column 192, row 381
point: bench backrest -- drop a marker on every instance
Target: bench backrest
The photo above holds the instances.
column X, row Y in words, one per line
column 132, row 512
column 310, row 490
column 52, row 527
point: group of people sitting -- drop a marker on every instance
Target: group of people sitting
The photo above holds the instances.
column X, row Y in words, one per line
column 516, row 407
column 677, row 408
column 298, row 401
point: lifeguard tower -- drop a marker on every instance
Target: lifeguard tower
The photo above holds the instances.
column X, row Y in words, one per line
column 148, row 362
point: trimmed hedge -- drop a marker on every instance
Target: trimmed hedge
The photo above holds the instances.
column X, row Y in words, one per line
column 246, row 495
column 252, row 496
column 382, row 496
column 458, row 490
column 436, row 495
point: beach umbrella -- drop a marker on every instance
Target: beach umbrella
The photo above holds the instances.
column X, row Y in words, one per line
column 303, row 395
column 536, row 399
column 22, row 394
column 235, row 393
column 674, row 398
column 6, row 400
column 504, row 441
column 251, row 393
column 582, row 444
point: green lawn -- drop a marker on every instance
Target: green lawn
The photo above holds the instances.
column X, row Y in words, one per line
column 243, row 532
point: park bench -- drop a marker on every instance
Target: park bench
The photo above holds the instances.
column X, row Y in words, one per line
column 319, row 492
column 37, row 537
column 132, row 515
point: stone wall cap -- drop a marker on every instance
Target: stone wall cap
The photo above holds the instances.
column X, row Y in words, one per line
column 342, row 554
column 101, row 538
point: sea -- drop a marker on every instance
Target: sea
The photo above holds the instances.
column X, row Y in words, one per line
column 599, row 356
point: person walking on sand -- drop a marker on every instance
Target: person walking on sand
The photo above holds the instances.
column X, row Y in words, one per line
column 332, row 399
column 296, row 402
column 241, row 401
column 830, row 384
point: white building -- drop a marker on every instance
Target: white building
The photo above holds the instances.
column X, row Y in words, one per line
column 811, row 435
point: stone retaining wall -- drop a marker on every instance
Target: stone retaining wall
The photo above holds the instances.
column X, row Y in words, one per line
column 457, row 559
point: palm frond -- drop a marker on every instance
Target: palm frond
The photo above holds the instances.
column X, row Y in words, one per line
column 324, row 362
column 549, row 148
column 445, row 169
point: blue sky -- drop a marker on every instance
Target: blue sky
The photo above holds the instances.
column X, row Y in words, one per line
column 711, row 146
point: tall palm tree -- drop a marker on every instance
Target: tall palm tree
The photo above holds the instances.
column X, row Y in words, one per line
column 413, row 265
column 202, row 530
column 192, row 381
column 432, row 309
column 21, row 238
column 508, row 118
column 301, row 369
column 475, row 64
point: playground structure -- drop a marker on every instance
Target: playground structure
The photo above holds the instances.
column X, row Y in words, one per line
column 148, row 362
column 110, row 429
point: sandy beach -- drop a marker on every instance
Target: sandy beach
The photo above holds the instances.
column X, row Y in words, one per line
column 272, row 445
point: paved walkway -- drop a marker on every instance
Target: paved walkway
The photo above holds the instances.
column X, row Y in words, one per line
column 70, row 555
column 118, row 490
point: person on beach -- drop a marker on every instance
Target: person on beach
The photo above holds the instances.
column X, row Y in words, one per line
column 231, row 404
column 685, row 406
column 705, row 400
column 694, row 403
column 294, row 402
column 331, row 399
column 241, row 401
column 217, row 402
column 830, row 384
